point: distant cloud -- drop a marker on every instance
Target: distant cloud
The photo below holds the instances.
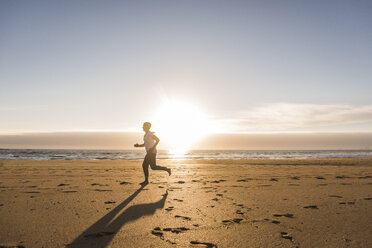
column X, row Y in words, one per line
column 291, row 117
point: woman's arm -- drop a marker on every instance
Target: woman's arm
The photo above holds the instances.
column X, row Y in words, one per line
column 156, row 143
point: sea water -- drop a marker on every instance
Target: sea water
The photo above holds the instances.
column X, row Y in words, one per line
column 35, row 154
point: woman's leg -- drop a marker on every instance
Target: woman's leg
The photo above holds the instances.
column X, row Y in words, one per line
column 152, row 161
column 145, row 167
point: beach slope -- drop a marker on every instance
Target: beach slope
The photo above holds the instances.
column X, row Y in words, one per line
column 205, row 203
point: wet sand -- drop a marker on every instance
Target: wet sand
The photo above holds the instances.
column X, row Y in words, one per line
column 214, row 203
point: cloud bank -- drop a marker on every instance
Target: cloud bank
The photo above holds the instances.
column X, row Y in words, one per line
column 281, row 141
column 298, row 117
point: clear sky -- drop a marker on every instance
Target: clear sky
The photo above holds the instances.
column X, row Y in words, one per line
column 250, row 66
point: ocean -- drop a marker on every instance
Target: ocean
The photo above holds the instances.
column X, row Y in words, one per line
column 35, row 154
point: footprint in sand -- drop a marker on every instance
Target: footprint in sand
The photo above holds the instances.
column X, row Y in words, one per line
column 295, row 178
column 285, row 215
column 179, row 200
column 110, row 202
column 368, row 199
column 312, row 207
column 239, row 212
column 62, row 184
column 98, row 184
column 320, row 178
column 344, row 203
column 275, row 222
column 169, row 208
column 207, row 244
column 244, row 180
column 285, row 235
column 124, row 183
column 157, row 232
column 335, row 196
column 342, row 177
column 176, row 230
column 69, row 191
column 173, row 243
column 236, row 220
column 218, row 181
column 183, row 217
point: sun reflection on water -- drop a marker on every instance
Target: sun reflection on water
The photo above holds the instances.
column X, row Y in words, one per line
column 177, row 154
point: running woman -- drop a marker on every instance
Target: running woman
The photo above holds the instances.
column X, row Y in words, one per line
column 150, row 142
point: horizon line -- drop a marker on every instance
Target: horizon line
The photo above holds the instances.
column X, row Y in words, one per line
column 134, row 132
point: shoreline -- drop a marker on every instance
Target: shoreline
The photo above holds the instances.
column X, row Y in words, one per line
column 267, row 161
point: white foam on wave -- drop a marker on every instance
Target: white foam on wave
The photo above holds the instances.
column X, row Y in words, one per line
column 31, row 154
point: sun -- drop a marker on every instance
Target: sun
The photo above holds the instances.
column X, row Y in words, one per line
column 180, row 124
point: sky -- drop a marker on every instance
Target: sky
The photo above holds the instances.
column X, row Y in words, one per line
column 249, row 66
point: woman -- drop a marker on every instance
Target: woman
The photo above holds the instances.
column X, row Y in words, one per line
column 150, row 142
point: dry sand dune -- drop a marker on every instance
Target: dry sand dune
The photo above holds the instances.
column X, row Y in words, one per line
column 214, row 203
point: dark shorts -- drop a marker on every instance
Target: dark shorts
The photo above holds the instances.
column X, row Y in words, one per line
column 150, row 159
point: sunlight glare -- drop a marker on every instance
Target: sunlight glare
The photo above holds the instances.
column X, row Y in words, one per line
column 180, row 124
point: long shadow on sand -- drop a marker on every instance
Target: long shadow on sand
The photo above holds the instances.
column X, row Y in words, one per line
column 103, row 231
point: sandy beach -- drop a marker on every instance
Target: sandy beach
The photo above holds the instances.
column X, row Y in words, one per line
column 205, row 203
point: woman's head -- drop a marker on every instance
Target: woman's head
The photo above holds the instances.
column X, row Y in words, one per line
column 146, row 126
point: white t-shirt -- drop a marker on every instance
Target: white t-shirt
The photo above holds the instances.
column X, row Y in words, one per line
column 149, row 141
